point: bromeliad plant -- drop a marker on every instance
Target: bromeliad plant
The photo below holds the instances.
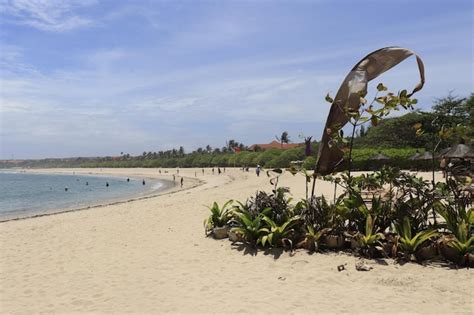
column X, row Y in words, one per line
column 393, row 223
column 250, row 227
column 312, row 238
column 408, row 244
column 278, row 235
column 458, row 220
column 369, row 242
column 397, row 226
column 462, row 242
column 219, row 217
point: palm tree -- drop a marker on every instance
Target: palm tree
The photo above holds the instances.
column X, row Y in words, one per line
column 284, row 138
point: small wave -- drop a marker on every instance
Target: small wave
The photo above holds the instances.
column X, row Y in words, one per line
column 157, row 186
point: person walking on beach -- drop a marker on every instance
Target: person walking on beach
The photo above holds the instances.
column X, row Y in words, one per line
column 257, row 170
column 182, row 182
column 213, row 171
column 174, row 178
column 202, row 171
column 442, row 165
column 219, row 171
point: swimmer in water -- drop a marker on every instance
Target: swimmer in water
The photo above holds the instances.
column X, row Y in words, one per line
column 106, row 184
column 128, row 179
column 143, row 182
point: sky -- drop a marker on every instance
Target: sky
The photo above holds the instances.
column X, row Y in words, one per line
column 96, row 78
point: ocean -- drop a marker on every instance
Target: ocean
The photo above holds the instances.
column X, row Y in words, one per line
column 26, row 194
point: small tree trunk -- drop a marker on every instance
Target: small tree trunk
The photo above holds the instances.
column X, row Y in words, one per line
column 314, row 184
column 350, row 149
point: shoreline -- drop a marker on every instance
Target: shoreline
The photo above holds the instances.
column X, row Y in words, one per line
column 168, row 187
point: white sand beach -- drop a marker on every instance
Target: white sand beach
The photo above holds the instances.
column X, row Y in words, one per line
column 151, row 256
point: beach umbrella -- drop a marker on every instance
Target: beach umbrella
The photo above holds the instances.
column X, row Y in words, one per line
column 348, row 96
column 458, row 151
column 425, row 156
column 379, row 157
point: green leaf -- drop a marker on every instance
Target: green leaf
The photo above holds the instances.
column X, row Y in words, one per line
column 329, row 99
column 381, row 87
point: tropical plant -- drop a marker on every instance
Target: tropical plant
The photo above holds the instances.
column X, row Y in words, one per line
column 462, row 243
column 276, row 235
column 408, row 244
column 277, row 205
column 219, row 216
column 312, row 238
column 250, row 227
column 317, row 212
column 370, row 238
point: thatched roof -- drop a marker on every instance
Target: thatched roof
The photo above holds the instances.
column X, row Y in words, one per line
column 444, row 151
column 458, row 151
column 415, row 156
column 425, row 156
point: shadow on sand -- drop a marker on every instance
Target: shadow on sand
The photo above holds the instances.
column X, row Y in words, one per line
column 253, row 251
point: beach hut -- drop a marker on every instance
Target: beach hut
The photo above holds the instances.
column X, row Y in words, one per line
column 427, row 156
column 378, row 161
column 458, row 151
column 380, row 157
column 423, row 161
column 443, row 152
column 415, row 156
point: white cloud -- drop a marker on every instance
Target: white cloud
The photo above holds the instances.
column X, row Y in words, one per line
column 47, row 15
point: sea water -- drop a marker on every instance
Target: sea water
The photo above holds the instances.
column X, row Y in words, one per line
column 26, row 194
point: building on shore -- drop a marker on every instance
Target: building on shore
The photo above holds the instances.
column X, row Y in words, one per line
column 274, row 145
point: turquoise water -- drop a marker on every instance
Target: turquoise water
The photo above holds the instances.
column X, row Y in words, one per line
column 25, row 194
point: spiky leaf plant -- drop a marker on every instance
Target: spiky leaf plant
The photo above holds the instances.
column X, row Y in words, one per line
column 219, row 216
column 408, row 244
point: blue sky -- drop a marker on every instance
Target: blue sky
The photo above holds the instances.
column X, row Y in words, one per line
column 91, row 77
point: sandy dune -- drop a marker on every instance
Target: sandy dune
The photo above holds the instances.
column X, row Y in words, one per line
column 151, row 256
